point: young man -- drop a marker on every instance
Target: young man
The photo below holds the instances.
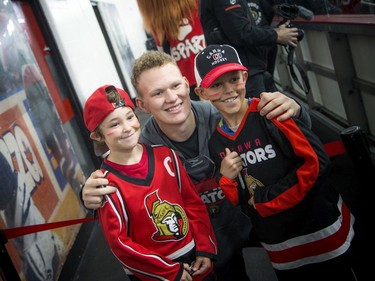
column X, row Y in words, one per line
column 175, row 240
column 186, row 126
column 279, row 174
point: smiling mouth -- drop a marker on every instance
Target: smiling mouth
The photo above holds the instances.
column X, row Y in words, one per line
column 174, row 108
column 127, row 136
column 232, row 99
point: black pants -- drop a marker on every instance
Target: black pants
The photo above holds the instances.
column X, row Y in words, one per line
column 234, row 270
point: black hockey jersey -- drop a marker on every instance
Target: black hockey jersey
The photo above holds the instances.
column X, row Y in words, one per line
column 298, row 216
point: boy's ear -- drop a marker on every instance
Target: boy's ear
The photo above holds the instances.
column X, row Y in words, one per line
column 94, row 136
column 200, row 92
column 245, row 75
column 141, row 105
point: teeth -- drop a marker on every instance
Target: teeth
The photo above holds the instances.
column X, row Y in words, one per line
column 173, row 108
column 229, row 100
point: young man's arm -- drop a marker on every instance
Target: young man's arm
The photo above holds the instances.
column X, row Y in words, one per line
column 277, row 104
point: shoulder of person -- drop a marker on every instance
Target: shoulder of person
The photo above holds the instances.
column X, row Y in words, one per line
column 207, row 117
column 204, row 106
column 150, row 132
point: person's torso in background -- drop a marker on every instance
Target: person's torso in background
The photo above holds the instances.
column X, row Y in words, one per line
column 189, row 43
column 261, row 12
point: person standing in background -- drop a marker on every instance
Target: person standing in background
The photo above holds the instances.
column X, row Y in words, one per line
column 268, row 8
column 176, row 29
column 231, row 22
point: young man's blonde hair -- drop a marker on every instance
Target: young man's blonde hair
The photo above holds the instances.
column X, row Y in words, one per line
column 162, row 18
column 149, row 60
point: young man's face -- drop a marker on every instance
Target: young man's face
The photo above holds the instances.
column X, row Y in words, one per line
column 164, row 93
column 121, row 129
column 227, row 92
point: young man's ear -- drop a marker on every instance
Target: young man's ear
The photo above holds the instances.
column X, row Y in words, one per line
column 141, row 105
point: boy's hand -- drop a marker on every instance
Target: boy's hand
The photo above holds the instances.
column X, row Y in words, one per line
column 186, row 273
column 201, row 265
column 231, row 165
column 277, row 105
column 251, row 202
column 91, row 194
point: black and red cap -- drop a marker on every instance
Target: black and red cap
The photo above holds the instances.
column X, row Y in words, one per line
column 214, row 61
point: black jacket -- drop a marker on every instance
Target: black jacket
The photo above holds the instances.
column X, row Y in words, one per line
column 230, row 22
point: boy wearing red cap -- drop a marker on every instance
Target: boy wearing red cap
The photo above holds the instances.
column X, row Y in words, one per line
column 155, row 223
column 279, row 175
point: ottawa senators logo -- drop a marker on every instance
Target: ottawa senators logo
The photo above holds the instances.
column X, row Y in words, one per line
column 251, row 182
column 169, row 219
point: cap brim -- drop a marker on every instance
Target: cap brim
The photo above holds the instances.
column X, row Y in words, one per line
column 220, row 70
column 100, row 148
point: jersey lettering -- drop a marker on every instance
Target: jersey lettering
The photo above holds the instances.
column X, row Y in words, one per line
column 167, row 166
column 212, row 196
column 258, row 155
column 188, row 48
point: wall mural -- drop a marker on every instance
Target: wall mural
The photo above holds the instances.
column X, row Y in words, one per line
column 39, row 169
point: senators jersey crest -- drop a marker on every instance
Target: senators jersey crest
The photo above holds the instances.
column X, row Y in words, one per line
column 169, row 219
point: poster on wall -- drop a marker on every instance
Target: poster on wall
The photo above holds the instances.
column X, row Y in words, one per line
column 39, row 170
column 119, row 42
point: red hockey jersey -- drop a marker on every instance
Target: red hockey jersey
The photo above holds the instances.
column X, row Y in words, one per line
column 150, row 222
column 189, row 43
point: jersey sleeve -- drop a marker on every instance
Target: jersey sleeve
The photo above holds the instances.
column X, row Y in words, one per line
column 311, row 166
column 144, row 263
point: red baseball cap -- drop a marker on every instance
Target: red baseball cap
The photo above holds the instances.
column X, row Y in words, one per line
column 97, row 106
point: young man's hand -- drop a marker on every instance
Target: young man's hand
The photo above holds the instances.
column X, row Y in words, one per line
column 94, row 190
column 278, row 105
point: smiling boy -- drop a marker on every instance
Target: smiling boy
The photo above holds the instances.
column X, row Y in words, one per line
column 279, row 173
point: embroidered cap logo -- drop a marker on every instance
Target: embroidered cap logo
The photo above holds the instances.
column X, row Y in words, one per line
column 112, row 92
column 217, row 56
